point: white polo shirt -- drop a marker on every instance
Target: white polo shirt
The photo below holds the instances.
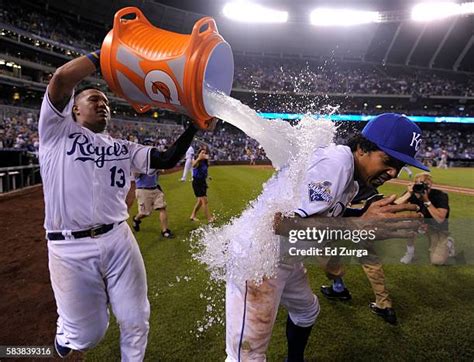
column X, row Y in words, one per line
column 86, row 175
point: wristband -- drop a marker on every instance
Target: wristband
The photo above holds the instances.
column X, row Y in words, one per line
column 427, row 204
column 94, row 57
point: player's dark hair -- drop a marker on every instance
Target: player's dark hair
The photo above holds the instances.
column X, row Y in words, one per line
column 364, row 144
column 83, row 89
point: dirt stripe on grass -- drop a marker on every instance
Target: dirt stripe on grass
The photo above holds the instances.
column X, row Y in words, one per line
column 445, row 188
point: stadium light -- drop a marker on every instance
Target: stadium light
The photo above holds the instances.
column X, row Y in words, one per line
column 439, row 10
column 343, row 17
column 248, row 12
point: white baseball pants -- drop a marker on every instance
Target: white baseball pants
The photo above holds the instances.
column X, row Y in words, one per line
column 87, row 274
column 187, row 169
column 251, row 311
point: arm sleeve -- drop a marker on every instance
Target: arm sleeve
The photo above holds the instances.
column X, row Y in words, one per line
column 51, row 120
column 324, row 184
column 168, row 159
column 140, row 158
column 352, row 212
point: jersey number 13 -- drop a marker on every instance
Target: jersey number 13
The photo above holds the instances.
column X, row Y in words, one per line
column 117, row 177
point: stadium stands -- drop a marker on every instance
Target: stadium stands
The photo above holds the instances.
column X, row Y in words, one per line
column 348, row 78
column 19, row 130
column 34, row 43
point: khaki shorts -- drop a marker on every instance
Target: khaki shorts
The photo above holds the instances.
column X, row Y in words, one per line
column 439, row 251
column 149, row 200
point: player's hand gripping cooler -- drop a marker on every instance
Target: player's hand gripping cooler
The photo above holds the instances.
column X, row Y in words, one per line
column 149, row 66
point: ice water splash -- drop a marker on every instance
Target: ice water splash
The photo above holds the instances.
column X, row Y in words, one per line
column 275, row 136
column 213, row 295
column 246, row 247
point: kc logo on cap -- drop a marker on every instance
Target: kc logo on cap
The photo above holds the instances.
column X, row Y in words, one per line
column 416, row 140
column 397, row 136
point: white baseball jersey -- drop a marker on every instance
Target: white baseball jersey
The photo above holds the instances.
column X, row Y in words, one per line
column 86, row 175
column 189, row 153
column 329, row 184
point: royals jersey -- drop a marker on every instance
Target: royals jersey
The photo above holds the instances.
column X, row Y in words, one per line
column 86, row 175
column 325, row 187
column 328, row 186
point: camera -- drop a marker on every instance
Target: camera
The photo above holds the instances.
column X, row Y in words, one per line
column 420, row 188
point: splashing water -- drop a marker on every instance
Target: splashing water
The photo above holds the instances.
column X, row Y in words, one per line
column 246, row 247
column 275, row 136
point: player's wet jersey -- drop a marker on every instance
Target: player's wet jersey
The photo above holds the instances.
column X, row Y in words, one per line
column 86, row 175
column 329, row 184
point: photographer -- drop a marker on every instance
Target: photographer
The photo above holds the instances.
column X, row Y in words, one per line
column 434, row 206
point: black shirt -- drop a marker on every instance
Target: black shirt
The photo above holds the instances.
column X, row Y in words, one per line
column 440, row 200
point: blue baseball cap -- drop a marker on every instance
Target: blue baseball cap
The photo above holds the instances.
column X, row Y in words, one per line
column 397, row 136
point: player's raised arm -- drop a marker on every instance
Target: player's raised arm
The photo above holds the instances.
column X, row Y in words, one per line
column 169, row 158
column 66, row 77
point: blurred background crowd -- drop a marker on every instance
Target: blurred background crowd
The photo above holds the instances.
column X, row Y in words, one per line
column 38, row 42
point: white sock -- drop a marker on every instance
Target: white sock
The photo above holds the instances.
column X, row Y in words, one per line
column 410, row 249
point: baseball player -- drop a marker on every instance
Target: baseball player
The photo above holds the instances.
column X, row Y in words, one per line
column 407, row 170
column 331, row 181
column 443, row 160
column 94, row 259
column 150, row 197
column 188, row 163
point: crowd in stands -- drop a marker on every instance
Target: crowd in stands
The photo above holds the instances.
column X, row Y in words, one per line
column 228, row 143
column 19, row 130
column 268, row 74
column 346, row 78
column 457, row 144
column 59, row 29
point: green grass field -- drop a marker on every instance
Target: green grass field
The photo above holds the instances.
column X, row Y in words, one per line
column 434, row 304
column 461, row 176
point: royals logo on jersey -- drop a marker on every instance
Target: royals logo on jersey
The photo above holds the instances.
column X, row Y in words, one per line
column 320, row 191
column 99, row 154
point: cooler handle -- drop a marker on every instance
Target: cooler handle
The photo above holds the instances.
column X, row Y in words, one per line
column 118, row 23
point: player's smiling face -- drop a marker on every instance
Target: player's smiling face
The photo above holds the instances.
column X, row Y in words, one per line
column 376, row 167
column 91, row 110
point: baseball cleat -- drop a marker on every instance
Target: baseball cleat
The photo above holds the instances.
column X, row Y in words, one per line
column 167, row 234
column 62, row 351
column 407, row 258
column 136, row 224
column 330, row 293
column 388, row 314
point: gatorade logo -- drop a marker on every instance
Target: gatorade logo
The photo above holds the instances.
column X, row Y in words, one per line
column 416, row 140
column 161, row 88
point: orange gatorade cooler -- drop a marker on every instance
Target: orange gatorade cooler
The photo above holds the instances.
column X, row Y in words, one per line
column 149, row 66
